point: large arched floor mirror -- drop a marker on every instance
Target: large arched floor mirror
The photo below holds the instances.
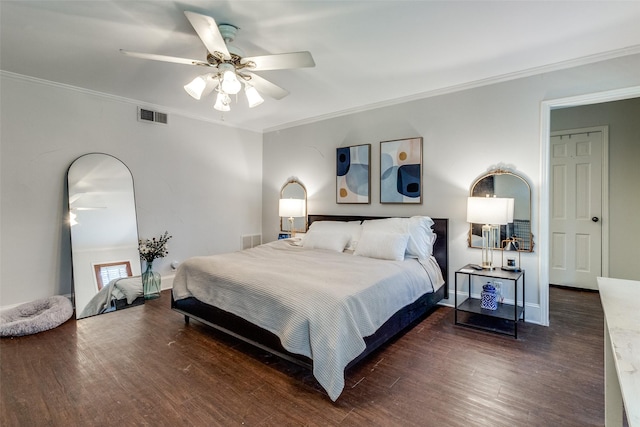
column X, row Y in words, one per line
column 104, row 235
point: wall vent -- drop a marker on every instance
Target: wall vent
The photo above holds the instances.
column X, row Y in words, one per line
column 251, row 240
column 161, row 117
column 145, row 115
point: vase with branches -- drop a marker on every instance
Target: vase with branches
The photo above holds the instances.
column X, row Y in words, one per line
column 149, row 250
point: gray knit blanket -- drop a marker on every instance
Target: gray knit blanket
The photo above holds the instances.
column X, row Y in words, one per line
column 320, row 303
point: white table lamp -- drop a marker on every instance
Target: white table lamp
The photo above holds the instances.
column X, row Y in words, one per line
column 490, row 211
column 292, row 208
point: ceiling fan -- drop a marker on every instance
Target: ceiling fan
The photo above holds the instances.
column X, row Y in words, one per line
column 230, row 68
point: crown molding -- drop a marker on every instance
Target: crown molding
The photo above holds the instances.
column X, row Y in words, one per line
column 562, row 65
column 121, row 99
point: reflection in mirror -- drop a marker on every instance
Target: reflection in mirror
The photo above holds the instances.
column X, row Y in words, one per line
column 104, row 235
column 502, row 183
column 294, row 189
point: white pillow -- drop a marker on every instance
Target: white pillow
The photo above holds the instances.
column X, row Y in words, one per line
column 421, row 237
column 353, row 228
column 325, row 240
column 381, row 245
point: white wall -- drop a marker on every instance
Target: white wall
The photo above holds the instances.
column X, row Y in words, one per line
column 623, row 118
column 465, row 134
column 198, row 180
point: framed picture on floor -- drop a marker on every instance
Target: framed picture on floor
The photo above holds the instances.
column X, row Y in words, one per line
column 401, row 171
column 353, row 166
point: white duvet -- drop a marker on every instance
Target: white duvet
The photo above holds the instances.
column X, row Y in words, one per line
column 320, row 303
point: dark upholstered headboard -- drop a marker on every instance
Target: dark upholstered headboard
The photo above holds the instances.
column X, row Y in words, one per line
column 440, row 249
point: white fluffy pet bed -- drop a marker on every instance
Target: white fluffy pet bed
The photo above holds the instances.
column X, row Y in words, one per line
column 35, row 316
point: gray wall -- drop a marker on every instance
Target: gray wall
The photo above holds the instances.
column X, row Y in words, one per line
column 623, row 119
column 198, row 180
column 465, row 134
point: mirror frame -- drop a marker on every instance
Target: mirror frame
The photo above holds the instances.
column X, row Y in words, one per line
column 498, row 172
column 283, row 221
column 79, row 275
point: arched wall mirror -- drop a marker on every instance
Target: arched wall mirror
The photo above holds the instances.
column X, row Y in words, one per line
column 293, row 189
column 104, row 235
column 502, row 183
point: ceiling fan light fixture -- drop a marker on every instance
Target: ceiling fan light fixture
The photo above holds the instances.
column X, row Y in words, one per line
column 228, row 61
column 196, row 87
column 253, row 97
column 223, row 102
column 230, row 83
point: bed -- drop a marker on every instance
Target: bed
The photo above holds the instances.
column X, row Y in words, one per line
column 118, row 294
column 349, row 303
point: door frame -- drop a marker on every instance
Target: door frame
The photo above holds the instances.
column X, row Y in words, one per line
column 545, row 177
column 604, row 202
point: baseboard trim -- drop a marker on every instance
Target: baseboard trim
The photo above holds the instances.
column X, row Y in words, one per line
column 167, row 282
column 573, row 288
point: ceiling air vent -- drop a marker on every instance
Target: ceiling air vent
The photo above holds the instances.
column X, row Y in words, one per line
column 145, row 115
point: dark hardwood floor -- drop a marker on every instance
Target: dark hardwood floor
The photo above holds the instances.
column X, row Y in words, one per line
column 144, row 366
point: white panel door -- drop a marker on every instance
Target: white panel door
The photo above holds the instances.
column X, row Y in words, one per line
column 576, row 209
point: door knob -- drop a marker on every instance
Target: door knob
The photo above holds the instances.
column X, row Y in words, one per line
column 595, row 219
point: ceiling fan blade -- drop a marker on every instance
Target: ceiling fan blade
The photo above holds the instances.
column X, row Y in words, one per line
column 208, row 32
column 265, row 87
column 280, row 61
column 212, row 83
column 165, row 58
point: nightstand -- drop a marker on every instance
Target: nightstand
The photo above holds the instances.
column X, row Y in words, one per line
column 505, row 319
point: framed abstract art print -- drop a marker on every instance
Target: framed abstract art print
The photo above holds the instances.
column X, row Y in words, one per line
column 401, row 171
column 353, row 183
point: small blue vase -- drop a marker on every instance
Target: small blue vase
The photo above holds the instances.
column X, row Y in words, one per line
column 488, row 297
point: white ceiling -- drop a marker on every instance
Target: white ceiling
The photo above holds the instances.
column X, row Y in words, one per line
column 367, row 53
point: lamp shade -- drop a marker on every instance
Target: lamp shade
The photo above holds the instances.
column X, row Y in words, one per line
column 489, row 210
column 230, row 83
column 222, row 102
column 253, row 97
column 510, row 209
column 196, row 87
column 291, row 208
